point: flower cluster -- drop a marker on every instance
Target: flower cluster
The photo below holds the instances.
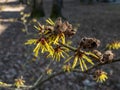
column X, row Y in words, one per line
column 105, row 57
column 100, row 76
column 113, row 45
column 3, row 84
column 49, row 71
column 19, row 82
column 59, row 52
column 50, row 36
column 52, row 41
column 67, row 68
column 82, row 58
column 59, row 30
column 24, row 17
column 42, row 44
column 62, row 27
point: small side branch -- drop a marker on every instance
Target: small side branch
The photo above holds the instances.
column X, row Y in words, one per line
column 12, row 86
column 79, row 71
column 39, row 83
column 69, row 47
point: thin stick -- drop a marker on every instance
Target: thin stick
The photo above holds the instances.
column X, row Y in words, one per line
column 79, row 71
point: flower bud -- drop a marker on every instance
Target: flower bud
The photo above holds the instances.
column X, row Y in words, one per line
column 89, row 43
column 107, row 56
column 98, row 54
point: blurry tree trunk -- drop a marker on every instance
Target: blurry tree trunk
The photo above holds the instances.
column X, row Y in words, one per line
column 28, row 2
column 98, row 0
column 6, row 0
column 114, row 0
column 56, row 9
column 87, row 1
column 90, row 1
column 23, row 1
column 81, row 1
column 105, row 1
column 37, row 9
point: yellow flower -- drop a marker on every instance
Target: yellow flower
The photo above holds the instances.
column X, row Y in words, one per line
column 40, row 44
column 49, row 71
column 100, row 76
column 92, row 55
column 21, row 13
column 19, row 82
column 3, row 84
column 80, row 57
column 56, row 38
column 34, row 20
column 44, row 46
column 113, row 45
column 49, row 21
column 40, row 28
column 67, row 68
column 59, row 53
column 31, row 41
column 59, row 37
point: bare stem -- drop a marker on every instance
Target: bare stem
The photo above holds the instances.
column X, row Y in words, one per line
column 79, row 71
column 69, row 47
column 12, row 87
column 36, row 84
column 98, row 64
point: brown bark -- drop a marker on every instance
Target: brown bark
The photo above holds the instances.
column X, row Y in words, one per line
column 37, row 9
column 57, row 9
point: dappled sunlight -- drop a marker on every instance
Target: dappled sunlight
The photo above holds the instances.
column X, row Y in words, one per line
column 8, row 20
column 9, row 13
column 4, row 1
column 3, row 28
column 12, row 8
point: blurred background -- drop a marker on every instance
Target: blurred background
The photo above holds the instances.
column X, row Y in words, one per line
column 93, row 18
